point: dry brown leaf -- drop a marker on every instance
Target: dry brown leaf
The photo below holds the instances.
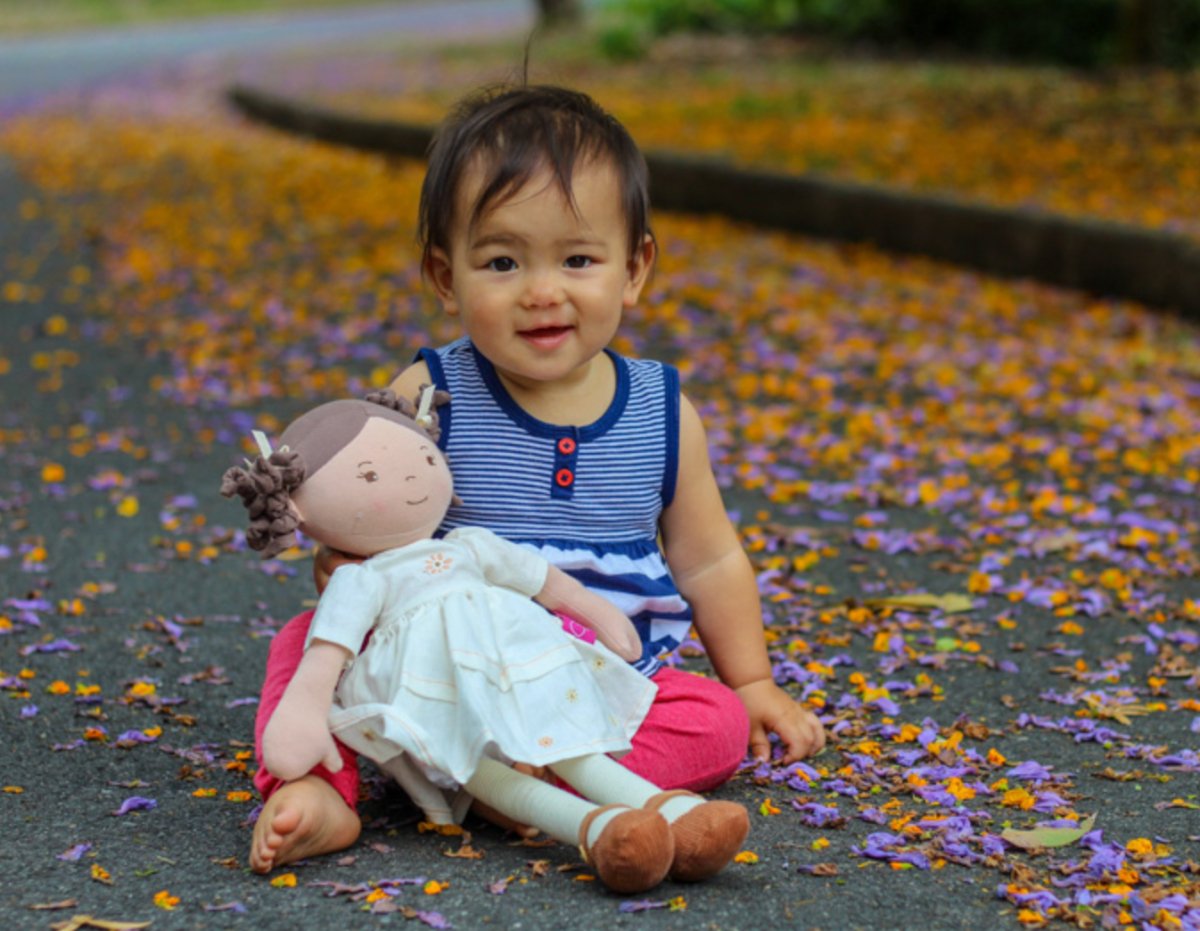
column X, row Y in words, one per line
column 87, row 921
column 53, row 906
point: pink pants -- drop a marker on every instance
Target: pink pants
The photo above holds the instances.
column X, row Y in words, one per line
column 694, row 736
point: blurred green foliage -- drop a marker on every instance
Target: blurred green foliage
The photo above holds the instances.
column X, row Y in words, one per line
column 1081, row 33
column 662, row 17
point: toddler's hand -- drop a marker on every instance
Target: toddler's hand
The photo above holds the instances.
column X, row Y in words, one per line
column 326, row 561
column 772, row 710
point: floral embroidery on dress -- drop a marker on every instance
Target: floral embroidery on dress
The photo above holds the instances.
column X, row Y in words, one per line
column 572, row 695
column 437, row 563
column 545, row 741
column 599, row 662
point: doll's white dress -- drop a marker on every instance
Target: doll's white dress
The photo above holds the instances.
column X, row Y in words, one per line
column 463, row 664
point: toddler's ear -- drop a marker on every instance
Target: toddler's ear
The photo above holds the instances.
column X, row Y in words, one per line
column 640, row 265
column 441, row 275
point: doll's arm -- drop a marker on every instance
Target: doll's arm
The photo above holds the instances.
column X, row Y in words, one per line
column 564, row 594
column 297, row 737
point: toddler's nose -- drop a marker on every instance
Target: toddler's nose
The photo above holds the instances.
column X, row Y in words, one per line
column 542, row 291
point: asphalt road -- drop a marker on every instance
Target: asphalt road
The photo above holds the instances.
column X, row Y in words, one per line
column 30, row 66
column 200, row 634
column 175, row 644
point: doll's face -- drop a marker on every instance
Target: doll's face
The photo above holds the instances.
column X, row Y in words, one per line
column 388, row 487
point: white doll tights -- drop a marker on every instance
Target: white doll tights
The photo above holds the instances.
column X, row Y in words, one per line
column 598, row 778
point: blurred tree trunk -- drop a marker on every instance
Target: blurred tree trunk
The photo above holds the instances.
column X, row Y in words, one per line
column 1141, row 32
column 556, row 13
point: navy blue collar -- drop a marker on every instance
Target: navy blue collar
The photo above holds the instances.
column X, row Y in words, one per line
column 535, row 427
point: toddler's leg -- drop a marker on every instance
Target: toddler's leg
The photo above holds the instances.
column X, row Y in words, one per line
column 283, row 657
column 706, row 834
column 695, row 735
column 631, row 849
column 310, row 816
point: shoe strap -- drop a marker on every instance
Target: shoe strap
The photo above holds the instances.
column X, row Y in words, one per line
column 655, row 802
column 584, row 847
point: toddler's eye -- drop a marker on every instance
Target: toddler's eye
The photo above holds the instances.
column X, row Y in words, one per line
column 502, row 264
column 578, row 261
column 370, row 476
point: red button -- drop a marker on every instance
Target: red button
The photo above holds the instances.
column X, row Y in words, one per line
column 566, row 446
column 564, row 478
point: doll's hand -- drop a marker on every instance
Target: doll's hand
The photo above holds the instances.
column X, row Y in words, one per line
column 563, row 595
column 295, row 742
column 326, row 561
column 297, row 737
column 771, row 709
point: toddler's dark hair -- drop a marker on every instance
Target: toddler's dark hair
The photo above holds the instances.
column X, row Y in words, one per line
column 515, row 132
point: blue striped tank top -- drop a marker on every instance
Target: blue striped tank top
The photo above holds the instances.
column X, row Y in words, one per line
column 587, row 498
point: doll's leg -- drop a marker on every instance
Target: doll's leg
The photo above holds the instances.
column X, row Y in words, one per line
column 630, row 848
column 706, row 834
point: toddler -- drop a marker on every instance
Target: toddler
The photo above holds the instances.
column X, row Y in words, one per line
column 534, row 225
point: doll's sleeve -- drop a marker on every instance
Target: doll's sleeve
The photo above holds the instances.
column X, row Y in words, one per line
column 504, row 563
column 348, row 608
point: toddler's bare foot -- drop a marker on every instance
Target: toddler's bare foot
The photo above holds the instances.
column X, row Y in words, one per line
column 302, row 819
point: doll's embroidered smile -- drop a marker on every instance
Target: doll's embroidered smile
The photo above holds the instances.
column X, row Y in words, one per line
column 413, row 478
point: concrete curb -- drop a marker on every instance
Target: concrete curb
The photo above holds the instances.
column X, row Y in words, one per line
column 1109, row 259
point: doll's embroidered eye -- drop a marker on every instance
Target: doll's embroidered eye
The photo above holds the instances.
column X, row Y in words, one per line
column 431, row 460
column 369, row 476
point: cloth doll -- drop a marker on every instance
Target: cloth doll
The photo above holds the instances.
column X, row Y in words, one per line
column 465, row 670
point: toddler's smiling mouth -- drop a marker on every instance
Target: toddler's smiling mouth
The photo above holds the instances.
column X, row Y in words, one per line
column 546, row 335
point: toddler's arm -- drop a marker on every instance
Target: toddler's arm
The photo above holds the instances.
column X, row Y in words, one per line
column 297, row 737
column 715, row 576
column 409, row 382
column 326, row 561
column 564, row 594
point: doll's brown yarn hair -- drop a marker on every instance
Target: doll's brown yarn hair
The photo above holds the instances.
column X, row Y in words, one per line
column 266, row 484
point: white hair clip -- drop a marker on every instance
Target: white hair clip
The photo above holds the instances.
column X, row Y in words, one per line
column 423, row 418
column 264, row 447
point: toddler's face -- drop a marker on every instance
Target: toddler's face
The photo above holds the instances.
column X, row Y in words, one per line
column 388, row 487
column 541, row 287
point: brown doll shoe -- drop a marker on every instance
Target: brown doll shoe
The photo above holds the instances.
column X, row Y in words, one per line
column 633, row 852
column 706, row 838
